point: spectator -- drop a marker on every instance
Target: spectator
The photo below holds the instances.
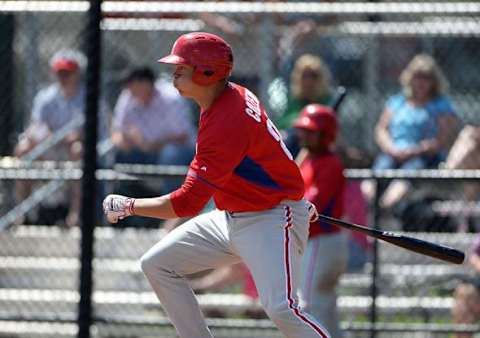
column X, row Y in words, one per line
column 310, row 83
column 466, row 308
column 151, row 125
column 151, row 122
column 326, row 254
column 54, row 108
column 417, row 125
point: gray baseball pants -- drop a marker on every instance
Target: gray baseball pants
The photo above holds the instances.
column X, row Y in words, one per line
column 269, row 242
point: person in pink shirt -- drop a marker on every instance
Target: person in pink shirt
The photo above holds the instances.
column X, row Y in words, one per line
column 261, row 218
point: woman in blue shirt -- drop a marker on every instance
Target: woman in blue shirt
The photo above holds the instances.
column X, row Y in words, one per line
column 417, row 125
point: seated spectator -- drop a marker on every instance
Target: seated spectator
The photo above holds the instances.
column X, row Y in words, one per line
column 151, row 125
column 54, row 107
column 310, row 83
column 417, row 125
column 466, row 309
column 326, row 254
column 151, row 122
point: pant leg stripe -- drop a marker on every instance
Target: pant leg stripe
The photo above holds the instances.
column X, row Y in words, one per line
column 292, row 304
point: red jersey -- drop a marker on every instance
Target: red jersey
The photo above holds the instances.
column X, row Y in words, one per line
column 324, row 187
column 240, row 159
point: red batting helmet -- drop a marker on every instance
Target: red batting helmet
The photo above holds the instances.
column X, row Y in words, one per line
column 209, row 55
column 319, row 118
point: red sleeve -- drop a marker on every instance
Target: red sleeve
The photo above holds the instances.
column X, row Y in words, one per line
column 191, row 197
column 221, row 145
column 328, row 184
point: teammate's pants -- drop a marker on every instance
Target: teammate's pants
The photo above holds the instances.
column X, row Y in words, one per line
column 269, row 242
column 324, row 262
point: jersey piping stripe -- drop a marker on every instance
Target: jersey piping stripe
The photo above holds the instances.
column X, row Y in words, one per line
column 201, row 179
column 292, row 304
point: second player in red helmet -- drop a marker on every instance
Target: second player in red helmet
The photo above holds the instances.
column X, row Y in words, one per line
column 321, row 120
column 260, row 218
column 325, row 257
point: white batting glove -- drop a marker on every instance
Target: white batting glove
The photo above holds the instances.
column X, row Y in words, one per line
column 117, row 207
column 312, row 212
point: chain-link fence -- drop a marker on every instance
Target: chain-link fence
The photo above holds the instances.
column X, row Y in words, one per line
column 365, row 46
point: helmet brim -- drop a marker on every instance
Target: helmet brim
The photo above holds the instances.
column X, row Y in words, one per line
column 173, row 60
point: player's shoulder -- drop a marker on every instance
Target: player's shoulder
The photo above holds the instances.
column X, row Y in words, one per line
column 233, row 106
column 232, row 115
column 232, row 98
column 331, row 162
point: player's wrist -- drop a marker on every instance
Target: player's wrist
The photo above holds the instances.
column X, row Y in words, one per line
column 130, row 206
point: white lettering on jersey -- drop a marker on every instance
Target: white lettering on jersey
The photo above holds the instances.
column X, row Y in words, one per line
column 253, row 106
column 278, row 137
column 253, row 110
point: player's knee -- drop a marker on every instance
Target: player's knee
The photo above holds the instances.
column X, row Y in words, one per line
column 148, row 264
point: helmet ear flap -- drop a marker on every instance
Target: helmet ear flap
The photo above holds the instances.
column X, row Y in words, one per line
column 205, row 75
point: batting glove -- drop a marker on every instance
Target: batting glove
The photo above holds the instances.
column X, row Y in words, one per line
column 117, row 207
column 312, row 212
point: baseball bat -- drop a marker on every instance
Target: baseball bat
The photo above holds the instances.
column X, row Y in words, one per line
column 438, row 251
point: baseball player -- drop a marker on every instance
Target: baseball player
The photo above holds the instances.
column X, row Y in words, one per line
column 260, row 218
column 325, row 258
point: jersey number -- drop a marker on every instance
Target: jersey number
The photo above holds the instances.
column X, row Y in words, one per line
column 278, row 137
column 253, row 110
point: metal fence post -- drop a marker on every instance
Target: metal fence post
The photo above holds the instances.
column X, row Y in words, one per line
column 32, row 64
column 7, row 29
column 93, row 48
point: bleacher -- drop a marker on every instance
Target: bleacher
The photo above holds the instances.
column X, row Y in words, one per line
column 39, row 275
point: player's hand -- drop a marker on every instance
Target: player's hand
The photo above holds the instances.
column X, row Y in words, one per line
column 117, row 207
column 312, row 212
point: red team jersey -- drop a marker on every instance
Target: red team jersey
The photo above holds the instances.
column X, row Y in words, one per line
column 240, row 159
column 324, row 187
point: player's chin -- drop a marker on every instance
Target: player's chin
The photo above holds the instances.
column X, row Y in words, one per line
column 180, row 91
column 184, row 93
